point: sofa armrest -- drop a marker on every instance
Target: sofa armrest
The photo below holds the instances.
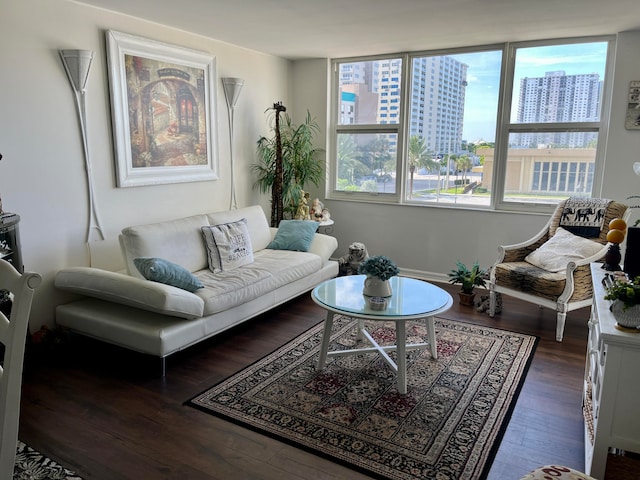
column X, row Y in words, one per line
column 323, row 246
column 131, row 291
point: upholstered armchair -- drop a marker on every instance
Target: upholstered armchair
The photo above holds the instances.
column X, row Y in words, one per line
column 565, row 286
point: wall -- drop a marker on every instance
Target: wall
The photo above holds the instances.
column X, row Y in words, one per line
column 42, row 174
column 427, row 241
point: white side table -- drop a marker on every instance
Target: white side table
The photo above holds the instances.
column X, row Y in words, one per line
column 326, row 227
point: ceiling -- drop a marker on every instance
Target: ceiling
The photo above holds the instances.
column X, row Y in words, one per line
column 297, row 29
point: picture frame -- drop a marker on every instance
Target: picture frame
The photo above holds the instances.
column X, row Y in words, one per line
column 632, row 119
column 163, row 108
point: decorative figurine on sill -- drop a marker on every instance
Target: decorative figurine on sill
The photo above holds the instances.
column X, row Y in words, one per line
column 303, row 207
column 316, row 210
column 348, row 264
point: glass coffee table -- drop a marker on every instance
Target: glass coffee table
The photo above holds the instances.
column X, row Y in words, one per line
column 411, row 300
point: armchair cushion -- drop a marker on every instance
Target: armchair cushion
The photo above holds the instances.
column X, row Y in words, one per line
column 525, row 277
column 559, row 250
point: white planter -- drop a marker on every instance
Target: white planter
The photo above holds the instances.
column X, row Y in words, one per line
column 629, row 317
column 374, row 287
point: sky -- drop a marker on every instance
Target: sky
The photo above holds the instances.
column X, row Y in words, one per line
column 483, row 77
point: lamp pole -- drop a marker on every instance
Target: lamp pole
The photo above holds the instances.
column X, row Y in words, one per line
column 77, row 64
column 232, row 87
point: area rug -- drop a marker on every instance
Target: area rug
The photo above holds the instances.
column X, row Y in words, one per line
column 32, row 465
column 448, row 426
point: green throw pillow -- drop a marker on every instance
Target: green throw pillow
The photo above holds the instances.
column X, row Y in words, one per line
column 294, row 235
column 163, row 271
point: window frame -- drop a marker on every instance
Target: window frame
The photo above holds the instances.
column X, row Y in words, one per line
column 504, row 127
column 370, row 129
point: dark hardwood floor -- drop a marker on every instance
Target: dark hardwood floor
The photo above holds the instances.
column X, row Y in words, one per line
column 105, row 412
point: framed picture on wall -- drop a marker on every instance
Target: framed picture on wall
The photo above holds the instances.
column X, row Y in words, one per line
column 632, row 121
column 163, row 107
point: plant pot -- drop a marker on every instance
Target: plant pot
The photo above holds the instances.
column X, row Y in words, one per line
column 467, row 298
column 374, row 287
column 629, row 317
column 632, row 252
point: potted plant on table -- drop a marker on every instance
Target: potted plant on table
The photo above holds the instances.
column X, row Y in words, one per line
column 625, row 306
column 468, row 279
column 378, row 269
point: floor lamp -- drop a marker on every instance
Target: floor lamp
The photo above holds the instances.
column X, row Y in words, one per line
column 232, row 87
column 77, row 64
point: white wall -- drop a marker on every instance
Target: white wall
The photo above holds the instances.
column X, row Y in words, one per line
column 42, row 173
column 428, row 240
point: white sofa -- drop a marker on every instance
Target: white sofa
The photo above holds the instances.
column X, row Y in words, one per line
column 125, row 309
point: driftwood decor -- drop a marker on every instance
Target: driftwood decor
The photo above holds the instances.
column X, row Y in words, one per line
column 287, row 161
column 277, row 203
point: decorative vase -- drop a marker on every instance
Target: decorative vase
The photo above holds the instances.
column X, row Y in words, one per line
column 632, row 252
column 374, row 287
column 612, row 258
column 629, row 317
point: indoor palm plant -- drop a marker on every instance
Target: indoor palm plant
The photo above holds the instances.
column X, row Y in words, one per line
column 300, row 162
column 468, row 278
column 378, row 269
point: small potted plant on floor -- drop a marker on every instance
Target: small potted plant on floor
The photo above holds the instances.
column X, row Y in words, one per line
column 378, row 269
column 468, row 279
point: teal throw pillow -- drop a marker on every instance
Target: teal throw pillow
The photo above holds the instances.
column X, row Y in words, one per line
column 164, row 271
column 294, row 235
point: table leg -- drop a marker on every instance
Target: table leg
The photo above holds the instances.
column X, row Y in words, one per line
column 401, row 352
column 326, row 336
column 360, row 336
column 433, row 343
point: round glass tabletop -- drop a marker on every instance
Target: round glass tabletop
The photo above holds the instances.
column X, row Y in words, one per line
column 411, row 298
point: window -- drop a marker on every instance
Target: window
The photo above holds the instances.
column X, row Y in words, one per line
column 367, row 147
column 467, row 127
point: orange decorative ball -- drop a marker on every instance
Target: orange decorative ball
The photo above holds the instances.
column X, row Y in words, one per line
column 617, row 224
column 615, row 236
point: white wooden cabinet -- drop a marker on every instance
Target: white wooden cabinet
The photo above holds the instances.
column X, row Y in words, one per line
column 611, row 396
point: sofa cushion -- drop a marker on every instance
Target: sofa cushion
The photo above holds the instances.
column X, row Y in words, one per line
column 228, row 245
column 559, row 250
column 270, row 270
column 178, row 241
column 164, row 271
column 256, row 223
column 295, row 235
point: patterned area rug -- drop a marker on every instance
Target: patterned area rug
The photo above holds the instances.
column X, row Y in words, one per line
column 447, row 427
column 32, row 465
